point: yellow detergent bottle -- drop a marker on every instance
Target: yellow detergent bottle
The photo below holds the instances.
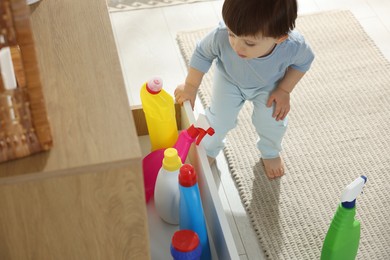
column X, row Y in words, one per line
column 160, row 115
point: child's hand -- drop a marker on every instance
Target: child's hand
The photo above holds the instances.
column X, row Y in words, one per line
column 282, row 103
column 185, row 92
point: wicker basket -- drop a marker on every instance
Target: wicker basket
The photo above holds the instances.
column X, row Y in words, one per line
column 24, row 127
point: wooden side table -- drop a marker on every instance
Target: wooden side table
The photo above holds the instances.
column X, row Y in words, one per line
column 83, row 199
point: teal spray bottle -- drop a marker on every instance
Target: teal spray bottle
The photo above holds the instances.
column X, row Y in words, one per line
column 342, row 240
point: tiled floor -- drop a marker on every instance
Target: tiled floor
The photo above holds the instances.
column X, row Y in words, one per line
column 146, row 41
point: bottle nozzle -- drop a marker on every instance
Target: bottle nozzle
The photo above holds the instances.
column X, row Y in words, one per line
column 351, row 192
column 203, row 126
column 202, row 133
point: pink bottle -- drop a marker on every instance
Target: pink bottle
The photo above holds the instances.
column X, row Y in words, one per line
column 152, row 163
column 193, row 134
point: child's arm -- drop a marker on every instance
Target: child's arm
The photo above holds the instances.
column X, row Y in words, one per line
column 188, row 90
column 281, row 95
column 205, row 52
column 290, row 80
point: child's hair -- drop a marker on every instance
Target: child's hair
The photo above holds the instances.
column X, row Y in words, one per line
column 271, row 18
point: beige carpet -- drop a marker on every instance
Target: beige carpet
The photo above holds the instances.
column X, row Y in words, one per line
column 128, row 5
column 339, row 129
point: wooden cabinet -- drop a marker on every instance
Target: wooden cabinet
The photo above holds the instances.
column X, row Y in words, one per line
column 83, row 199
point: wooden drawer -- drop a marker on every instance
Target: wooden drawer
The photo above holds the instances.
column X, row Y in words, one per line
column 220, row 236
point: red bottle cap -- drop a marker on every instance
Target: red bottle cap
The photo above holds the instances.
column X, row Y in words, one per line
column 187, row 176
column 185, row 240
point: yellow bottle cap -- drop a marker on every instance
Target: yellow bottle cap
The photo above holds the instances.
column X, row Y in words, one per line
column 171, row 161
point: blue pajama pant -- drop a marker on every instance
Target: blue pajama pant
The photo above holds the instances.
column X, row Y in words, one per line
column 226, row 102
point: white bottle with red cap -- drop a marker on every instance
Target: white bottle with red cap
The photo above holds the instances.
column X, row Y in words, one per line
column 160, row 115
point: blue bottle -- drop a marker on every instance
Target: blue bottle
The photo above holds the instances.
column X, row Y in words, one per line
column 185, row 245
column 191, row 214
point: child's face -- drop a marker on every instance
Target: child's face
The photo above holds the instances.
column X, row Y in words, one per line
column 249, row 47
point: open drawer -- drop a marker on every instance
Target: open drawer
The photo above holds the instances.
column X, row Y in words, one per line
column 160, row 233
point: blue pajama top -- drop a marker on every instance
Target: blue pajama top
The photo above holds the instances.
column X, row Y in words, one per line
column 253, row 74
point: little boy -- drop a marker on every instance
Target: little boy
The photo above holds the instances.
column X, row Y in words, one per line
column 260, row 58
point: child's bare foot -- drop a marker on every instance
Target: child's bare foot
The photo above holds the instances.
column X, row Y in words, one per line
column 274, row 168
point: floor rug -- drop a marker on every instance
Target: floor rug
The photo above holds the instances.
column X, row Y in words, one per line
column 339, row 129
column 128, row 5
